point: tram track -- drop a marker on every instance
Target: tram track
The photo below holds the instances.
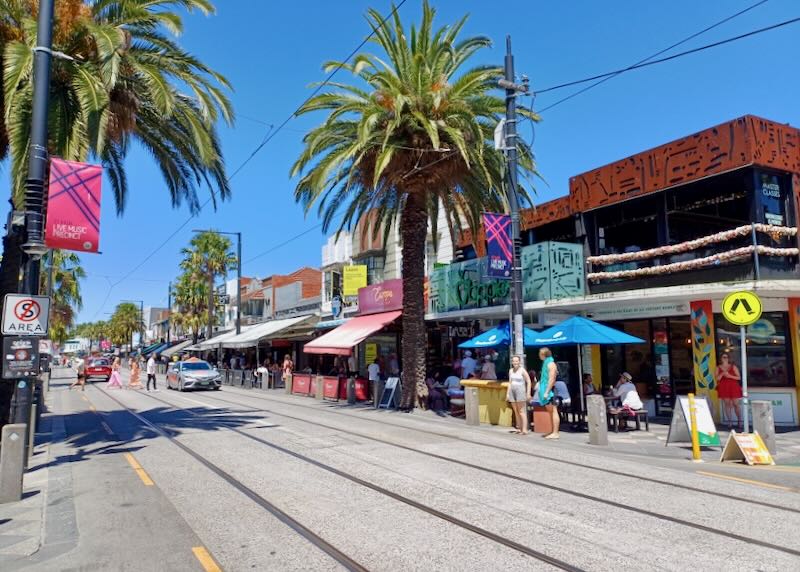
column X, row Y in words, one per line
column 495, row 472
column 759, row 503
column 312, row 537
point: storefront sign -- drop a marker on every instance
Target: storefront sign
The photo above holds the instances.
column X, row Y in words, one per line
column 370, row 353
column 639, row 311
column 747, row 447
column 355, row 277
column 73, row 206
column 499, row 248
column 771, row 198
column 466, row 332
column 784, row 407
column 382, row 297
column 20, row 357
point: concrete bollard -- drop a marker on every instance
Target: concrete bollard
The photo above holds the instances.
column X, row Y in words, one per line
column 351, row 390
column 598, row 425
column 377, row 389
column 320, row 387
column 287, row 386
column 12, row 461
column 472, row 410
column 764, row 423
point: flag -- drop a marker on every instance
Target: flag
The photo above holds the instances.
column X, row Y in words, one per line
column 73, row 206
column 499, row 247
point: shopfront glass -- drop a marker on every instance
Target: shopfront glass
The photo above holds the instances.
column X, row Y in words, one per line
column 768, row 349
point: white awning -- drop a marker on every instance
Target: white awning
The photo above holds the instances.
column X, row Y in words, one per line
column 182, row 346
column 215, row 342
column 272, row 328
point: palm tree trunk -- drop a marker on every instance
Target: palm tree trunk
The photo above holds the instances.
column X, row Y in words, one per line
column 210, row 326
column 413, row 231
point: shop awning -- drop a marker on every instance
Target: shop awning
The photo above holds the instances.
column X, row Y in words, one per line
column 272, row 328
column 216, row 341
column 342, row 340
column 179, row 347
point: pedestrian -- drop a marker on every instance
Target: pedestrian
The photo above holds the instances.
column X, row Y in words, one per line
column 519, row 394
column 135, row 382
column 488, row 370
column 547, row 381
column 151, row 373
column 351, row 365
column 374, row 370
column 80, row 371
column 394, row 365
column 728, row 389
column 287, row 369
column 115, row 381
column 468, row 365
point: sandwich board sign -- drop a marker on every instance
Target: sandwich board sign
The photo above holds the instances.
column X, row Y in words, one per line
column 680, row 430
column 389, row 395
column 25, row 315
column 747, row 447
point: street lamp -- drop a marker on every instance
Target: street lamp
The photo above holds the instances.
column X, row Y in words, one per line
column 238, row 236
column 141, row 324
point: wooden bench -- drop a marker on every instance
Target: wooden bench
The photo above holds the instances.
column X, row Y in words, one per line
column 616, row 414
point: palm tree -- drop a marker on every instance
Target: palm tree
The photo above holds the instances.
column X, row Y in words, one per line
column 208, row 255
column 191, row 299
column 127, row 81
column 126, row 320
column 66, row 299
column 411, row 135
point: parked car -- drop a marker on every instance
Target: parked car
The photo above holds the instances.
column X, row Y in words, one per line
column 98, row 368
column 193, row 374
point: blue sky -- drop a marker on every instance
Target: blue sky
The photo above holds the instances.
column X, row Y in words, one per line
column 271, row 52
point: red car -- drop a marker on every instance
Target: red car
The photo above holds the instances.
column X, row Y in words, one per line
column 99, row 368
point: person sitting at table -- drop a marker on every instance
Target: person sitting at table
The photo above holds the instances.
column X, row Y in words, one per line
column 562, row 397
column 629, row 398
column 588, row 384
column 453, row 385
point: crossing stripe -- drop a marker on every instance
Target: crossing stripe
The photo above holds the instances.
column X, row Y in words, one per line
column 205, row 559
column 139, row 470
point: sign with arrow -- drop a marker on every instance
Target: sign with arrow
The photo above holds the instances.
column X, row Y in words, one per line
column 742, row 308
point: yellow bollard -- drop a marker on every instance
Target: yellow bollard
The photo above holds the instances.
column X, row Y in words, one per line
column 693, row 427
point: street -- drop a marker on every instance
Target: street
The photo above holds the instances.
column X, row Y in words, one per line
column 258, row 480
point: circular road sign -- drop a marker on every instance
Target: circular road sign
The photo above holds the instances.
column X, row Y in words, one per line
column 27, row 310
column 742, row 308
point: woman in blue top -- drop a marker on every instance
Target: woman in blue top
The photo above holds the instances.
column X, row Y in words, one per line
column 547, row 380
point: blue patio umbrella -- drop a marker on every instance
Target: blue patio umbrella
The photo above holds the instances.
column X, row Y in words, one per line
column 498, row 336
column 578, row 330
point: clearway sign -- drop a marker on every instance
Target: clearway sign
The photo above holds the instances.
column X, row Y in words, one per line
column 25, row 315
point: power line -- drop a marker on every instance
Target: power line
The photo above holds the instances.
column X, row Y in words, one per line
column 672, row 57
column 270, row 135
column 655, row 55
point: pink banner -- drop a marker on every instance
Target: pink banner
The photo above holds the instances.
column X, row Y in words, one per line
column 382, row 297
column 73, row 206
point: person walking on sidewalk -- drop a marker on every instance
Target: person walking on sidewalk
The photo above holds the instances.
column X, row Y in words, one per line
column 135, row 382
column 151, row 372
column 80, row 370
column 115, row 381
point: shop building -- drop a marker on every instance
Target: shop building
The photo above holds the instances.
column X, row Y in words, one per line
column 663, row 236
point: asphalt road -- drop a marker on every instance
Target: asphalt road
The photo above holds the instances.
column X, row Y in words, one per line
column 264, row 481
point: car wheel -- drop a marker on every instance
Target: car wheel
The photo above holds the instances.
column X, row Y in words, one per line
column 180, row 387
column 217, row 388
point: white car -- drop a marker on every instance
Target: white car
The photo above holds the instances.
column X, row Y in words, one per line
column 193, row 374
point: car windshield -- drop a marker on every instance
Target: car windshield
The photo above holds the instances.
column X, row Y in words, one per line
column 195, row 366
column 98, row 362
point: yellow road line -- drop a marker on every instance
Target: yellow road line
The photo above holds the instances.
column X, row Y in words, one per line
column 139, row 470
column 749, row 482
column 784, row 468
column 206, row 560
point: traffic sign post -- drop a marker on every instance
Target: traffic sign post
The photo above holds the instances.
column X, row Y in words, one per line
column 742, row 309
column 25, row 315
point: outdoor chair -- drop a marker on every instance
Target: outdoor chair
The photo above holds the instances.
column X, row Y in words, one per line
column 617, row 414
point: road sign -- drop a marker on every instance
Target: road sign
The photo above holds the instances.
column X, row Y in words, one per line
column 20, row 357
column 25, row 315
column 742, row 308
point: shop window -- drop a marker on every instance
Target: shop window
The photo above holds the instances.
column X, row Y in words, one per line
column 638, row 357
column 333, row 284
column 374, row 266
column 628, row 227
column 681, row 364
column 768, row 349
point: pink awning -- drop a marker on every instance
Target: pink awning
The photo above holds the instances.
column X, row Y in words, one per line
column 341, row 340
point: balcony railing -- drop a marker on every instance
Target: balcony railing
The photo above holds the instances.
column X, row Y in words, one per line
column 744, row 252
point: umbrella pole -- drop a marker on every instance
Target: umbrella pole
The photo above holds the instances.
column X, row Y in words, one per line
column 580, row 377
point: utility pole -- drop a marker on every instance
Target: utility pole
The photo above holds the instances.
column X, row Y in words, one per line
column 238, row 283
column 34, row 247
column 512, row 89
column 169, row 310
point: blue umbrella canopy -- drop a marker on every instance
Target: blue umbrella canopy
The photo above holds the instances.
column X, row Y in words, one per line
column 580, row 330
column 499, row 336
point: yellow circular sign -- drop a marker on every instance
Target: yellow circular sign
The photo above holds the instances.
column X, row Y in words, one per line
column 742, row 308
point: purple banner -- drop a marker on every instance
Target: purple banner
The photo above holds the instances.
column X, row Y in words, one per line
column 499, row 248
column 383, row 297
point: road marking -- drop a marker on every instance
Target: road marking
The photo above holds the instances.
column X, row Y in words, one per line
column 139, row 470
column 749, row 482
column 106, row 427
column 206, row 560
column 198, row 402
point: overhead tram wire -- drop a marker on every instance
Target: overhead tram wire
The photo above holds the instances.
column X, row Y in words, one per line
column 270, row 135
column 670, row 58
column 655, row 55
